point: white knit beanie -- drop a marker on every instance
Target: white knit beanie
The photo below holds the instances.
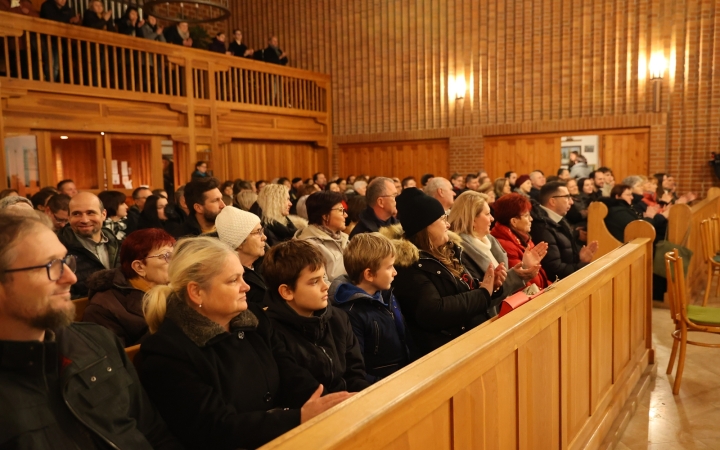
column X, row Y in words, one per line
column 234, row 225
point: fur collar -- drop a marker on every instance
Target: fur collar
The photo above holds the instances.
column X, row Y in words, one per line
column 199, row 328
column 406, row 254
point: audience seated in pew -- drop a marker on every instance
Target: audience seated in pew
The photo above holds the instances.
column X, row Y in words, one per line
column 439, row 298
column 62, row 384
column 624, row 207
column 242, row 232
column 116, row 295
column 157, row 214
column 215, row 368
column 117, row 213
column 381, row 210
column 470, row 221
column 94, row 247
column 563, row 255
column 204, row 201
column 365, row 295
column 523, row 185
column 318, row 335
column 274, row 203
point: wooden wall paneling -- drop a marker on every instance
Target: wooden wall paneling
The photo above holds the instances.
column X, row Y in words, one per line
column 399, row 159
column 485, row 412
column 522, row 154
column 601, row 362
column 434, row 431
column 638, row 285
column 539, row 390
column 626, row 154
column 3, row 158
column 578, row 368
column 79, row 159
column 621, row 323
column 156, row 176
column 46, row 159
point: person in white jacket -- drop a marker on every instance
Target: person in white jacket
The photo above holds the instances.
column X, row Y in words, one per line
column 326, row 216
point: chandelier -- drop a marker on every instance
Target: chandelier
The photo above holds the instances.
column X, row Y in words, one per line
column 190, row 11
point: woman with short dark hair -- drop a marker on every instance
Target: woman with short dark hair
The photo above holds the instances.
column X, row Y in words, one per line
column 326, row 218
column 117, row 211
column 155, row 214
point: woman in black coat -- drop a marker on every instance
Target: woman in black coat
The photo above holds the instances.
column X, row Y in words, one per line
column 156, row 214
column 624, row 207
column 95, row 17
column 214, row 367
column 274, row 204
column 439, row 298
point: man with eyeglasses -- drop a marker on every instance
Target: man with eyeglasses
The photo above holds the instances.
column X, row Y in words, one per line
column 549, row 225
column 381, row 210
column 62, row 385
column 57, row 210
column 94, row 247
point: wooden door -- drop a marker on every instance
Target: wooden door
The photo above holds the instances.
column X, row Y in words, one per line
column 626, row 153
column 265, row 160
column 522, row 154
column 395, row 159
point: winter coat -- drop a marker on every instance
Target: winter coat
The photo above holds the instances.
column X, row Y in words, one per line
column 222, row 390
column 148, row 31
column 92, row 20
column 369, row 223
column 75, row 390
column 87, row 262
column 620, row 214
column 581, row 202
column 277, row 232
column 378, row 325
column 217, row 46
column 477, row 263
column 254, row 278
column 173, row 227
column 515, row 249
column 51, row 11
column 324, row 344
column 191, row 226
column 580, row 170
column 272, row 55
column 331, row 249
column 563, row 255
column 115, row 304
column 437, row 306
column 238, row 49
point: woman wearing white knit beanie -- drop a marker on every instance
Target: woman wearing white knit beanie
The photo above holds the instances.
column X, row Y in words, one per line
column 243, row 232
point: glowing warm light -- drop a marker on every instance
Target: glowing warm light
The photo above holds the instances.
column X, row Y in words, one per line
column 657, row 66
column 460, row 87
column 63, row 137
column 102, row 133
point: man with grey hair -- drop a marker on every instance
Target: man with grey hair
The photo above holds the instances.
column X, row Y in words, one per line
column 381, row 210
column 442, row 190
column 94, row 247
column 360, row 187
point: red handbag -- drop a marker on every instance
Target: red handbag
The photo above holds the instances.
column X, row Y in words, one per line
column 517, row 300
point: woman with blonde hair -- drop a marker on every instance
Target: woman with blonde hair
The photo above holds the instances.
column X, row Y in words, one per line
column 501, row 186
column 213, row 367
column 274, row 203
column 470, row 218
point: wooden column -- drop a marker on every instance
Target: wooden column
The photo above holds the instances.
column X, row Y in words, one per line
column 156, row 170
column 104, row 152
column 191, row 150
column 3, row 157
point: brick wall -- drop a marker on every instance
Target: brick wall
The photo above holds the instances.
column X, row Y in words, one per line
column 466, row 154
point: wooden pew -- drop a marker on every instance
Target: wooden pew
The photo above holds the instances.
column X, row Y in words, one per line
column 553, row 374
column 80, row 305
column 132, row 351
column 597, row 231
column 684, row 217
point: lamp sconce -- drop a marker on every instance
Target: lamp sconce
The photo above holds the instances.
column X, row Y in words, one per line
column 460, row 87
column 657, row 70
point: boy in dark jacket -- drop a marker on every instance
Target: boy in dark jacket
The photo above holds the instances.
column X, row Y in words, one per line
column 366, row 297
column 319, row 336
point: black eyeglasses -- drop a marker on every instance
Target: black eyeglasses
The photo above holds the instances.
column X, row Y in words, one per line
column 165, row 256
column 59, row 220
column 340, row 210
column 563, row 196
column 55, row 268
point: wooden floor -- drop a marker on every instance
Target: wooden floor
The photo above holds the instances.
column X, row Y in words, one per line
column 690, row 420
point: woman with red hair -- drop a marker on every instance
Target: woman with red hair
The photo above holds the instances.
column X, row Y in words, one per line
column 512, row 231
column 116, row 295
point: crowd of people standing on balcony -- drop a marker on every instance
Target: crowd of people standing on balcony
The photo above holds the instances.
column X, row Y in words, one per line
column 131, row 24
column 260, row 304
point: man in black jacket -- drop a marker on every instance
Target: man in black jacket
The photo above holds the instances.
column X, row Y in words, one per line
column 58, row 11
column 549, row 225
column 63, row 385
column 204, row 202
column 381, row 210
column 139, row 196
column 272, row 54
column 94, row 247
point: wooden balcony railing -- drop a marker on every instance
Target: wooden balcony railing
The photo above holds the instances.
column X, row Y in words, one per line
column 54, row 56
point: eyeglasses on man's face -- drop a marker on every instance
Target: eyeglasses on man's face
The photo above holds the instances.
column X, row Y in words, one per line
column 59, row 220
column 165, row 256
column 55, row 268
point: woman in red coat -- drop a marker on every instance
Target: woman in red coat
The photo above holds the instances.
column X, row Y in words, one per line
column 512, row 230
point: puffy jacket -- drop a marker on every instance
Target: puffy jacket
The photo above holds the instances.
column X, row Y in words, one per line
column 378, row 325
column 87, row 262
column 324, row 344
column 515, row 249
column 563, row 256
column 77, row 389
column 437, row 306
column 331, row 249
column 369, row 223
column 218, row 389
column 115, row 304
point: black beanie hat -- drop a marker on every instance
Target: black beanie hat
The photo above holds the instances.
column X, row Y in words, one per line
column 417, row 211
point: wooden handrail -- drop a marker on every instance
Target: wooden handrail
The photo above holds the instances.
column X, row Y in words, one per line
column 552, row 374
column 51, row 53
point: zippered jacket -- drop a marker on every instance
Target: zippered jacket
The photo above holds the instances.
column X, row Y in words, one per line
column 75, row 390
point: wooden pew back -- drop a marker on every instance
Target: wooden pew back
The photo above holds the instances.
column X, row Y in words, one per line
column 552, row 374
column 80, row 305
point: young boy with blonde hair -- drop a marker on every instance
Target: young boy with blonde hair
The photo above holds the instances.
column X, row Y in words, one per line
column 366, row 297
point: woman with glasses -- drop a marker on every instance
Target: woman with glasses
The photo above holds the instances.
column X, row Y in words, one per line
column 326, row 218
column 242, row 232
column 116, row 295
column 438, row 296
column 512, row 232
column 471, row 218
